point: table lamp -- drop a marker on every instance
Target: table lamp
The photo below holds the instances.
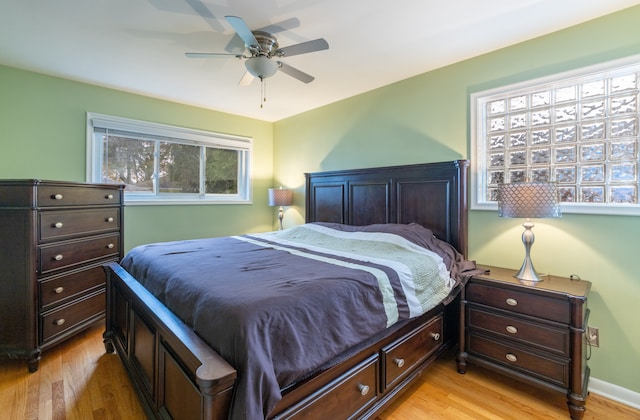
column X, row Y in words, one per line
column 528, row 200
column 280, row 197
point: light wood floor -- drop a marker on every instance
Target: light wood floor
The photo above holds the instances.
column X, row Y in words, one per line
column 78, row 380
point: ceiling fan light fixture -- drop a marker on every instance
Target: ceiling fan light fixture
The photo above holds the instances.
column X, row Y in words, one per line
column 261, row 67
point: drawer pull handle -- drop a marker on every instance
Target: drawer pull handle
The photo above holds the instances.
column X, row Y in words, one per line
column 511, row 329
column 58, row 225
column 435, row 336
column 363, row 389
column 398, row 362
column 59, row 322
column 109, row 196
column 110, row 246
column 58, row 257
column 59, row 290
column 109, row 219
column 511, row 302
column 511, row 357
column 57, row 197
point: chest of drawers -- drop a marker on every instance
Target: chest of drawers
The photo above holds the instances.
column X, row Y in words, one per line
column 54, row 238
column 534, row 332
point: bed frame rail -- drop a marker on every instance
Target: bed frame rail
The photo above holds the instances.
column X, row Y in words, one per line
column 177, row 374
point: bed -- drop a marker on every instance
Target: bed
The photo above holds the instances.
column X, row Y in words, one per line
column 181, row 373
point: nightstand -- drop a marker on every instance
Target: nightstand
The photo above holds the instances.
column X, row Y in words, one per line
column 533, row 333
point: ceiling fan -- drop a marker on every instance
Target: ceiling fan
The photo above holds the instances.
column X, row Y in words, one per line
column 265, row 52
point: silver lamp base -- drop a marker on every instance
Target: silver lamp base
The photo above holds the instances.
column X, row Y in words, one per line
column 527, row 273
column 280, row 216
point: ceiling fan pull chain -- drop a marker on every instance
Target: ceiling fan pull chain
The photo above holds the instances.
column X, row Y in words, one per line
column 263, row 91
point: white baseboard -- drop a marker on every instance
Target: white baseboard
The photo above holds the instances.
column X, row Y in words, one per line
column 615, row 392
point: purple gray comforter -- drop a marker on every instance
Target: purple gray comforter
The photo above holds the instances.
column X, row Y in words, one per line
column 277, row 306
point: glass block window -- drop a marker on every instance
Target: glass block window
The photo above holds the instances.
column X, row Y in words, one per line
column 580, row 130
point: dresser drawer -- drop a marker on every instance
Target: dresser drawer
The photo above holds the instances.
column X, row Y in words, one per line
column 65, row 224
column 55, row 290
column 58, row 196
column 67, row 254
column 513, row 328
column 554, row 370
column 67, row 317
column 402, row 356
column 347, row 397
column 520, row 302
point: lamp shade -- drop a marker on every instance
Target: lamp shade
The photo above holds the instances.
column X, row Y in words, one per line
column 280, row 197
column 528, row 200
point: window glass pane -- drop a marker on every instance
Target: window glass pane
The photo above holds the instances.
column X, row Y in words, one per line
column 166, row 164
column 128, row 161
column 179, row 168
column 221, row 171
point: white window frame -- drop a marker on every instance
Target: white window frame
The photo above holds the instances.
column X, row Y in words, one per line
column 179, row 135
column 478, row 131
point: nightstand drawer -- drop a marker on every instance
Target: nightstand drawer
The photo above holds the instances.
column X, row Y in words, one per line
column 57, row 225
column 67, row 317
column 403, row 355
column 529, row 333
column 546, row 368
column 520, row 302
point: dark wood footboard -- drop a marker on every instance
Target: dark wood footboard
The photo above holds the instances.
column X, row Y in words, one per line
column 176, row 374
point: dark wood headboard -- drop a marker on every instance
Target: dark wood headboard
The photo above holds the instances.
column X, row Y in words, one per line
column 431, row 194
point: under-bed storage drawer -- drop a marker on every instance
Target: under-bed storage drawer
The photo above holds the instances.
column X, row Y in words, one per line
column 346, row 397
column 400, row 357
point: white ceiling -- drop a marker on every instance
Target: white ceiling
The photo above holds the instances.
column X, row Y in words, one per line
column 139, row 45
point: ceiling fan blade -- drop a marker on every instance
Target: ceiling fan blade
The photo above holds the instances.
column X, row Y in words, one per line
column 241, row 28
column 303, row 48
column 237, row 44
column 295, row 73
column 285, row 25
column 210, row 55
column 246, row 80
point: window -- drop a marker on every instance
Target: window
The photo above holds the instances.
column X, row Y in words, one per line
column 579, row 130
column 161, row 164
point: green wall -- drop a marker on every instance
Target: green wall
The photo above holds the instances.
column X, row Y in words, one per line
column 43, row 122
column 422, row 119
column 426, row 119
